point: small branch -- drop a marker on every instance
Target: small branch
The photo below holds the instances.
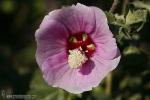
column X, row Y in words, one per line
column 125, row 2
column 108, row 84
column 114, row 6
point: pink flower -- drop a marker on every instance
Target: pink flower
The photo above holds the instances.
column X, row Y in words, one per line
column 75, row 48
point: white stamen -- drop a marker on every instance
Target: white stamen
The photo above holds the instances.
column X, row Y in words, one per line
column 76, row 58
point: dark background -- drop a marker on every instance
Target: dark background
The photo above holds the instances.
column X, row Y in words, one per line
column 20, row 75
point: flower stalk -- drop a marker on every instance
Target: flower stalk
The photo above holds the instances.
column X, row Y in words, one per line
column 108, row 84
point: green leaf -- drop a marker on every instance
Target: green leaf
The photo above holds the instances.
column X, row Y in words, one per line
column 140, row 4
column 120, row 36
column 137, row 16
column 115, row 19
column 131, row 50
column 110, row 17
column 120, row 20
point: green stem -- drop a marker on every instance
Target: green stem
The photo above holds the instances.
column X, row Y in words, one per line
column 108, row 84
column 125, row 2
column 114, row 6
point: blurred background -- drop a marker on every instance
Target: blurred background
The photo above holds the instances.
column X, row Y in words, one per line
column 20, row 77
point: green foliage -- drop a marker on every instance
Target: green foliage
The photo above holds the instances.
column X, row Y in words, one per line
column 142, row 4
column 134, row 17
column 128, row 24
column 8, row 6
column 42, row 91
column 130, row 50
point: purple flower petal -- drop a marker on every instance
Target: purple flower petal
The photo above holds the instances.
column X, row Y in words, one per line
column 75, row 18
column 51, row 39
column 53, row 70
column 107, row 50
column 101, row 27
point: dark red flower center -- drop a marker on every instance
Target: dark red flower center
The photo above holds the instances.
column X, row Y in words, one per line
column 82, row 41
